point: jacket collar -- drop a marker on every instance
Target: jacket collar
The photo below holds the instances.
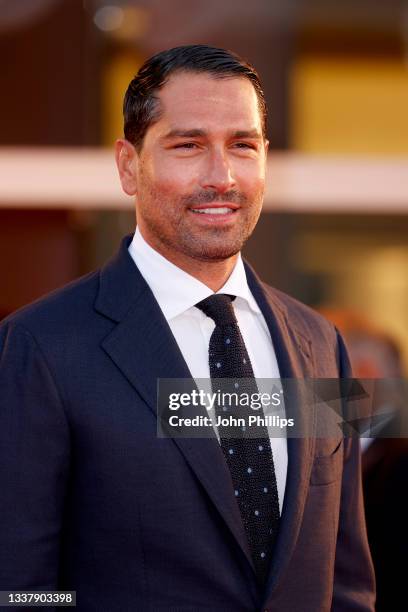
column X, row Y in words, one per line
column 163, row 276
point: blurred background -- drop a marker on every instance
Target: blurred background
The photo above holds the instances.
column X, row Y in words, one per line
column 334, row 231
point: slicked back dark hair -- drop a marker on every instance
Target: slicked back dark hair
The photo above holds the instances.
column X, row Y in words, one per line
column 141, row 106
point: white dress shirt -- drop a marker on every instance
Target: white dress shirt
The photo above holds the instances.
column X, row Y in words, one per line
column 177, row 292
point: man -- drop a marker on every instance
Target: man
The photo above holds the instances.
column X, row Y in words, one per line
column 92, row 500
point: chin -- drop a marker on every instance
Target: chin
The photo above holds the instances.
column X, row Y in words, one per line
column 215, row 253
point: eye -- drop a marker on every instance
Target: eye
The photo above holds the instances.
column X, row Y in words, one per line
column 244, row 145
column 186, row 145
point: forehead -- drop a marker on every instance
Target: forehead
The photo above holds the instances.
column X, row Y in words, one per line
column 200, row 100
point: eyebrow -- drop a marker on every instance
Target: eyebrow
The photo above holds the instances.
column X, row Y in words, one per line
column 247, row 134
column 197, row 133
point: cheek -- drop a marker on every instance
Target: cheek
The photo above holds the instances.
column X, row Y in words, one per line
column 250, row 176
column 172, row 178
column 253, row 185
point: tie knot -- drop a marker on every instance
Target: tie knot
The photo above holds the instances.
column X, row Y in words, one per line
column 219, row 308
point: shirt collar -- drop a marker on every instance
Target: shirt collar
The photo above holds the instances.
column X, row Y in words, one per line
column 163, row 277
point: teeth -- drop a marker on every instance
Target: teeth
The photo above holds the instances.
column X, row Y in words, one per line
column 213, row 211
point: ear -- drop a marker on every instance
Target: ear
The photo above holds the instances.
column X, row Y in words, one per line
column 126, row 161
column 266, row 145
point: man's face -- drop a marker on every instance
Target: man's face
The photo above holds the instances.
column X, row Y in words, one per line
column 206, row 153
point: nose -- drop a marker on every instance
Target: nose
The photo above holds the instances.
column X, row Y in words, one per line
column 218, row 173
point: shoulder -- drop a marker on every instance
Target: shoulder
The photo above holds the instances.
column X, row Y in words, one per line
column 324, row 340
column 65, row 308
column 298, row 316
column 306, row 320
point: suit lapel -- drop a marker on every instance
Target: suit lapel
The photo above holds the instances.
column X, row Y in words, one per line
column 294, row 356
column 144, row 349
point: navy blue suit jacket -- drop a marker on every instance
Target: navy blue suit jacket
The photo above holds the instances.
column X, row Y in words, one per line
column 91, row 500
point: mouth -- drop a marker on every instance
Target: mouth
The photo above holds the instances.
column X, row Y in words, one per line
column 224, row 210
column 215, row 214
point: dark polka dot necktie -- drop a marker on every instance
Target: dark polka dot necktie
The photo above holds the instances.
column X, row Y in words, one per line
column 250, row 460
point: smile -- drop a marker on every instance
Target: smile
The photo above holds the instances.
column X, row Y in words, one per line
column 213, row 211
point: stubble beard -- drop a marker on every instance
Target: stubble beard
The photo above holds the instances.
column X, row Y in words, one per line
column 217, row 243
column 177, row 234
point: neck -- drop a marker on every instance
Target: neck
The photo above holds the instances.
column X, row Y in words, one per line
column 211, row 272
